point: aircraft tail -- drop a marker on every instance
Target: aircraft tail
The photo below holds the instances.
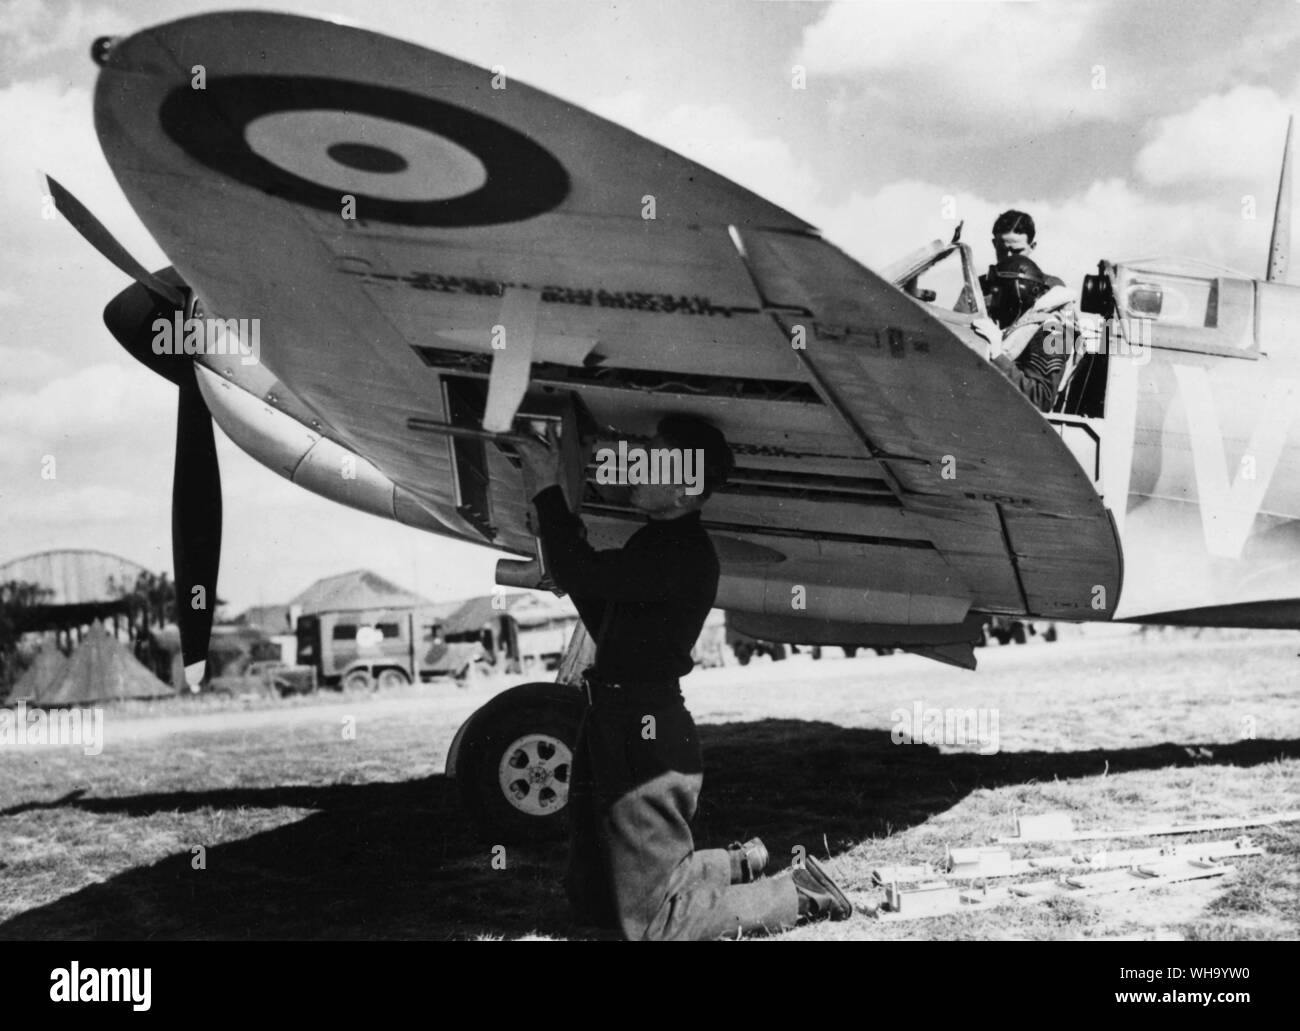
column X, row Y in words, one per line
column 1279, row 245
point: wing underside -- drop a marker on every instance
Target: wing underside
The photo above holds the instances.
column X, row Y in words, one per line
column 882, row 465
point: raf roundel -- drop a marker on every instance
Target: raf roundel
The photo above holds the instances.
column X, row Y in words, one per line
column 406, row 158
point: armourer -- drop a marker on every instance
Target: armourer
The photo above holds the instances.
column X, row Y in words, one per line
column 638, row 768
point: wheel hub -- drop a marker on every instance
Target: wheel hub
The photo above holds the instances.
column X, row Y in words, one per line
column 534, row 774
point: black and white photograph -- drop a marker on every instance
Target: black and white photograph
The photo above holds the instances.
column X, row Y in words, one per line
column 650, row 470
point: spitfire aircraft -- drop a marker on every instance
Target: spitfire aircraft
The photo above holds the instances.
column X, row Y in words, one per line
column 436, row 265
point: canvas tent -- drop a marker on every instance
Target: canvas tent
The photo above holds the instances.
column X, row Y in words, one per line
column 102, row 669
column 45, row 669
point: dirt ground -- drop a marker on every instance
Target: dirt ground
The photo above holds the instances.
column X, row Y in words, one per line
column 331, row 817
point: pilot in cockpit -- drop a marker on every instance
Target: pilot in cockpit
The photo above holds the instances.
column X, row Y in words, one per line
column 1014, row 235
column 1027, row 330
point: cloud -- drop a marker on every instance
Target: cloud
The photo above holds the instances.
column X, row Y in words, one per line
column 31, row 366
column 1016, row 63
column 1109, row 219
column 29, row 29
column 715, row 136
column 54, row 284
column 53, row 505
column 91, row 402
column 1235, row 135
column 56, row 126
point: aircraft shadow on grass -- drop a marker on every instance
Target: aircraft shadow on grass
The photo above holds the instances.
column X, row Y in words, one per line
column 399, row 860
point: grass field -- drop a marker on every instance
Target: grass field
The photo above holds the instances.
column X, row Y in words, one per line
column 308, row 834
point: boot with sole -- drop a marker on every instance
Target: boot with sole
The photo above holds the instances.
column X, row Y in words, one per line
column 819, row 896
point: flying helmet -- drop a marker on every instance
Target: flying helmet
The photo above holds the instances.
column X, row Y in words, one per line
column 1011, row 287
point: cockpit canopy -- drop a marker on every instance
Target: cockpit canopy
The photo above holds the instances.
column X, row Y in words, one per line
column 1190, row 305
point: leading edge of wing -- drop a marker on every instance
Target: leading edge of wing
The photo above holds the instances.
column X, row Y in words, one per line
column 539, row 152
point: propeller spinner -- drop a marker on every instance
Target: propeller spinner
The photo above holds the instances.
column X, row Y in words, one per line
column 196, row 479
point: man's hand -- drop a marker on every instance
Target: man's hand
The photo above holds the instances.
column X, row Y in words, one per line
column 988, row 329
column 541, row 462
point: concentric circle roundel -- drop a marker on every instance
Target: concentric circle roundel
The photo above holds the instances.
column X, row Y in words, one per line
column 407, row 159
column 375, row 157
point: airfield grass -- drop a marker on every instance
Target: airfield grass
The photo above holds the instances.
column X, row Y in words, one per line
column 307, row 832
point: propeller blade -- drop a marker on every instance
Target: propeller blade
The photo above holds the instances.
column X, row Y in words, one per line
column 94, row 233
column 196, row 480
column 196, row 527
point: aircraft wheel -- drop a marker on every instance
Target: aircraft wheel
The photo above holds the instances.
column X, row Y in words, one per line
column 516, row 760
column 1018, row 633
column 743, row 654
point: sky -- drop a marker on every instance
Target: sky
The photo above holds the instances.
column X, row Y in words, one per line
column 1127, row 129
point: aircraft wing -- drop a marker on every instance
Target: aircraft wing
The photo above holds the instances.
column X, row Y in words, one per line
column 387, row 212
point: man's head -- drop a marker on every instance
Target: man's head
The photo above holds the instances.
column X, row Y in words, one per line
column 705, row 454
column 1015, row 283
column 1013, row 233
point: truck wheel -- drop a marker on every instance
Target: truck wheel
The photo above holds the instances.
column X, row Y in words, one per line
column 358, row 680
column 392, row 678
column 515, row 762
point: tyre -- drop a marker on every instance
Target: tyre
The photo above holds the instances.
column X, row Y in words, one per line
column 358, row 680
column 516, row 760
column 850, row 651
column 816, row 651
column 1049, row 635
column 743, row 654
column 1018, row 633
column 392, row 678
column 778, row 652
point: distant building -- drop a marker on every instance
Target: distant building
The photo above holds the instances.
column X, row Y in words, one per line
column 359, row 589
column 84, row 589
column 84, row 586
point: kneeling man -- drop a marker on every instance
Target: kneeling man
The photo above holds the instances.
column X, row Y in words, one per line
column 638, row 768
